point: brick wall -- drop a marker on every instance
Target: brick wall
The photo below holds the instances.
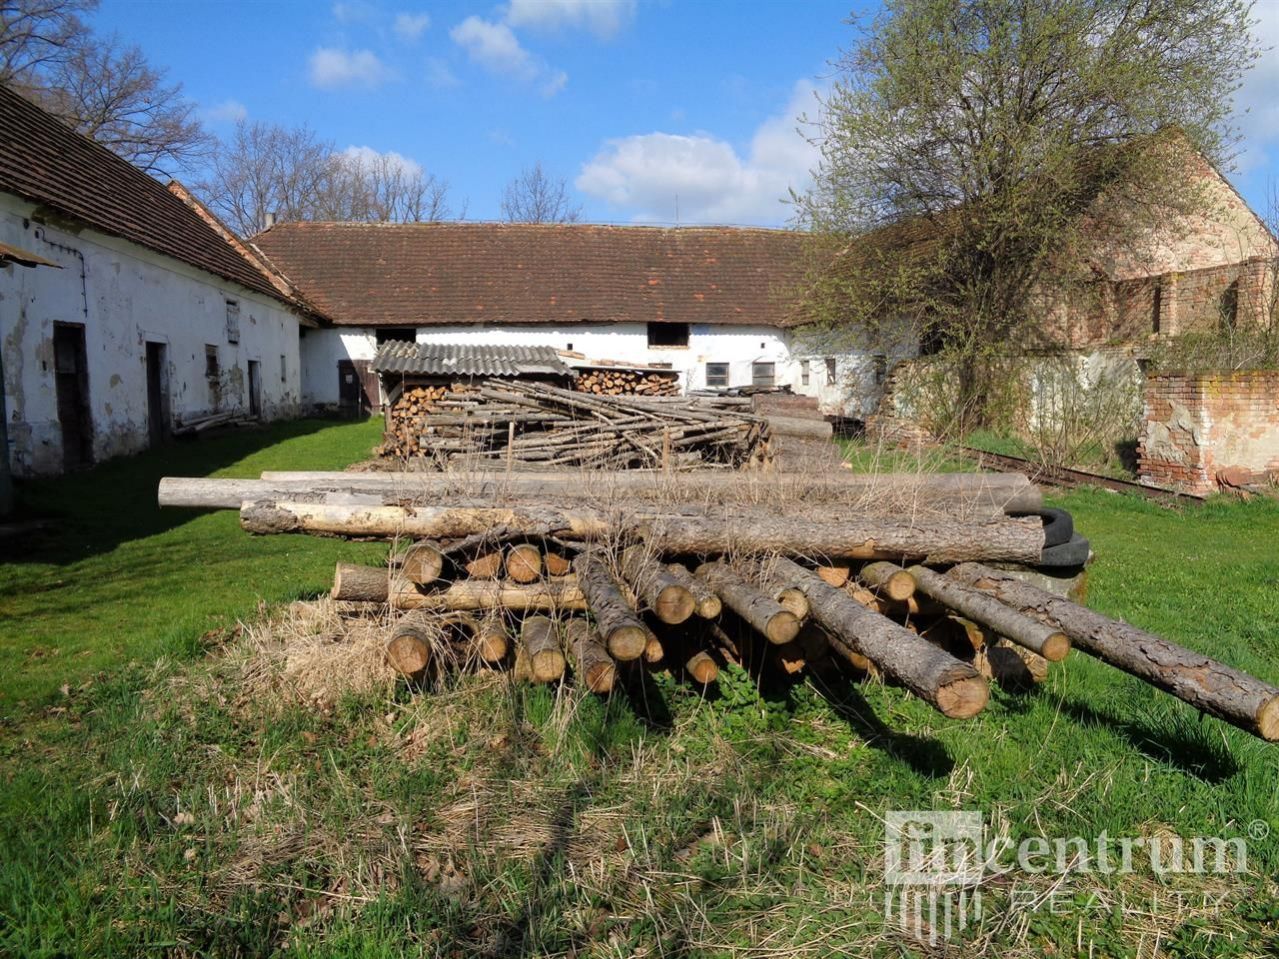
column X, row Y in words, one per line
column 1196, row 426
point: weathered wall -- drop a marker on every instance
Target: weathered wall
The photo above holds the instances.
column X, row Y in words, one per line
column 125, row 296
column 738, row 346
column 1198, row 425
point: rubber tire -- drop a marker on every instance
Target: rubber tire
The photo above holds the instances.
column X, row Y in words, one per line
column 1059, row 525
column 1074, row 553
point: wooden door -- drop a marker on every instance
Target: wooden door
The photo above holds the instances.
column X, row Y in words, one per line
column 70, row 366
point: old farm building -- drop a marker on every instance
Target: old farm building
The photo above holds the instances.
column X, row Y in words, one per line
column 122, row 310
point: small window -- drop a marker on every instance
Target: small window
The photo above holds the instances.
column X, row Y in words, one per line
column 881, row 368
column 232, row 321
column 668, row 335
column 211, row 367
column 1229, row 306
column 569, row 347
column 763, row 374
column 396, row 336
column 830, row 371
column 1155, row 307
column 284, row 369
column 717, row 374
column 804, row 372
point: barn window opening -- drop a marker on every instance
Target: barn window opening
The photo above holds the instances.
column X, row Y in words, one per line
column 763, row 374
column 1229, row 306
column 211, row 367
column 667, row 335
column 1155, row 306
column 396, row 336
column 803, row 372
column 717, row 374
column 569, row 347
column 284, row 370
column 881, row 368
column 830, row 371
column 232, row 321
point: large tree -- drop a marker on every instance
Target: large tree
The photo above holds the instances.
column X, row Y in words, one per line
column 290, row 173
column 534, row 196
column 100, row 87
column 965, row 145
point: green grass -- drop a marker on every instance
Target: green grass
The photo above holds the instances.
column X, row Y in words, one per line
column 114, row 578
column 484, row 819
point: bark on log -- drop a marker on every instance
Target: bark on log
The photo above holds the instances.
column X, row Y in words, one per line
column 524, row 563
column 670, row 600
column 969, row 491
column 930, row 540
column 625, row 636
column 422, row 563
column 361, row 584
column 591, row 661
column 409, row 649
column 888, row 580
column 540, row 639
column 951, row 686
column 1050, row 643
column 492, row 643
column 765, row 615
column 429, row 522
column 1014, row 668
column 484, row 594
column 1192, row 677
column 708, row 602
column 799, row 427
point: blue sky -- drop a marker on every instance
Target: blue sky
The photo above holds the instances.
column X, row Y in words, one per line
column 651, row 110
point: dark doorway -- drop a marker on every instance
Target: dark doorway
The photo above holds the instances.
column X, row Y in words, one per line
column 157, row 393
column 255, row 388
column 357, row 388
column 71, row 372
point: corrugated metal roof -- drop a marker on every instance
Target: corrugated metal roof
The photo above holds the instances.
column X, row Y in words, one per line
column 450, row 359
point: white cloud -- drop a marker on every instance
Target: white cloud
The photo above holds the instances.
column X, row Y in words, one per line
column 439, row 75
column 352, row 11
column 495, row 47
column 604, row 18
column 410, row 26
column 648, row 175
column 367, row 158
column 228, row 111
column 331, row 68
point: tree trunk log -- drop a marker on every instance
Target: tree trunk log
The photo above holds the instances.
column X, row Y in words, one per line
column 1052, row 644
column 708, row 602
column 492, row 643
column 765, row 615
column 702, row 668
column 591, row 661
column 625, row 636
column 670, row 601
column 964, row 492
column 1192, row 677
column 799, row 427
column 361, row 584
column 888, row 580
column 409, row 649
column 930, row 540
column 539, row 638
column 422, row 563
column 524, row 563
column 484, row 594
column 429, row 522
column 952, row 687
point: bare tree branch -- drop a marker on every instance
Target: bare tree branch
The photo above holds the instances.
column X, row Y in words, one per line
column 535, row 197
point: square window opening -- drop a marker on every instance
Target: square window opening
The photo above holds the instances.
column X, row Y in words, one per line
column 668, row 336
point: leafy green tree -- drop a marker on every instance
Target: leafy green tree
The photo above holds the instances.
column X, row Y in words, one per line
column 971, row 149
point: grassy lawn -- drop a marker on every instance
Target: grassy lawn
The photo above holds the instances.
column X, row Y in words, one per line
column 116, row 579
column 172, row 808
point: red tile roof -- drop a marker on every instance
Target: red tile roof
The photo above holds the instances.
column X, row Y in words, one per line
column 422, row 274
column 45, row 161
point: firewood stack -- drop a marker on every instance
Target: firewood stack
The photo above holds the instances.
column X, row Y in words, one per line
column 549, row 587
column 620, row 382
column 522, row 425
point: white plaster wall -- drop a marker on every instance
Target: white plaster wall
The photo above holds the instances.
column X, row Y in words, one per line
column 854, row 391
column 126, row 295
column 739, row 346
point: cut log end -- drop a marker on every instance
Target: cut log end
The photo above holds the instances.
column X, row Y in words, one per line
column 557, row 565
column 710, row 607
column 422, row 564
column 674, row 605
column 487, row 566
column 702, row 668
column 782, row 627
column 1057, row 646
column 835, row 576
column 1268, row 721
column 627, row 642
column 524, row 563
column 963, row 698
column 408, row 653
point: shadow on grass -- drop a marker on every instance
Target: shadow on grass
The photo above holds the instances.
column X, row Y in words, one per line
column 95, row 510
column 1195, row 751
column 925, row 756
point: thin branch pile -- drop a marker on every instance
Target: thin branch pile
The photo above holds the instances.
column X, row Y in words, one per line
column 527, row 425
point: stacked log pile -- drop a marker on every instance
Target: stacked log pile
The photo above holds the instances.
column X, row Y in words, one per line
column 527, row 425
column 604, row 381
column 548, row 589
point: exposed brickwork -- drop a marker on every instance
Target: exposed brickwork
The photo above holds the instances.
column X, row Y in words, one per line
column 1196, row 426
